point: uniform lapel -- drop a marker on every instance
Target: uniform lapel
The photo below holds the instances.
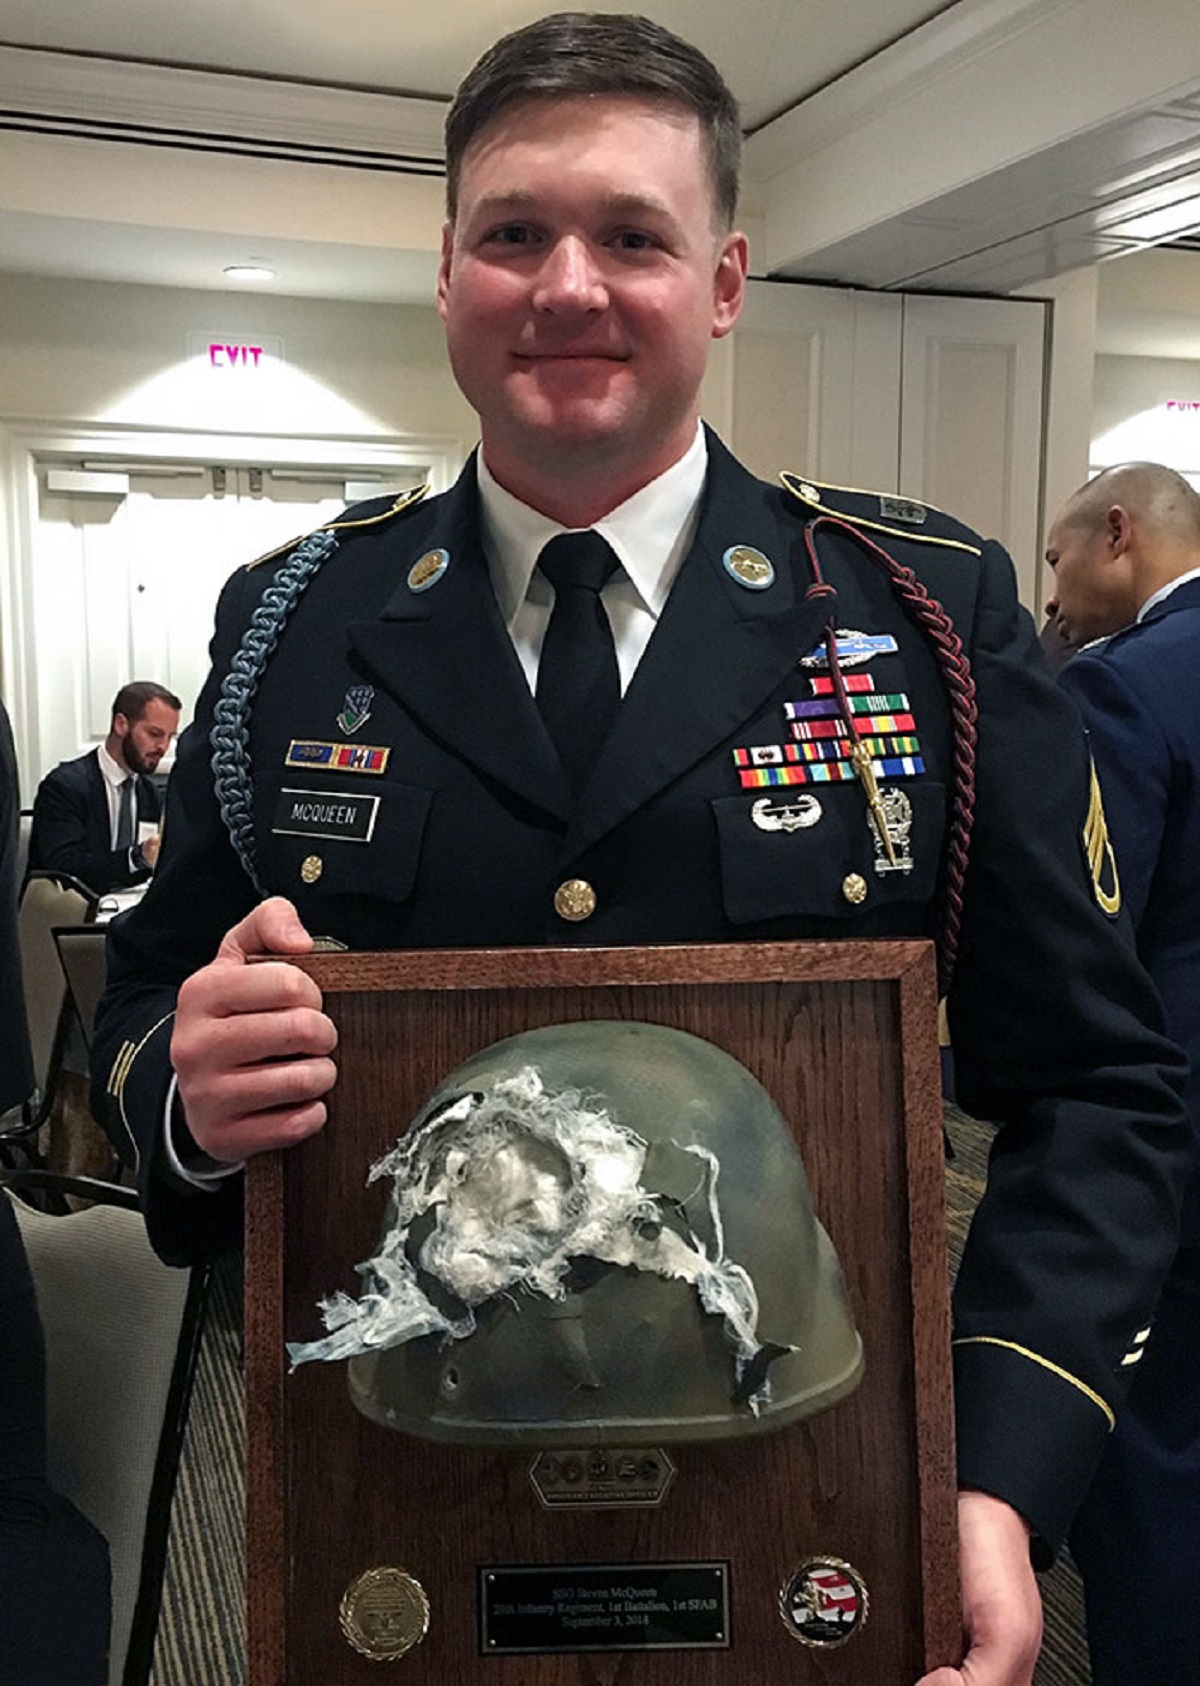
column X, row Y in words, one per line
column 446, row 654
column 717, row 654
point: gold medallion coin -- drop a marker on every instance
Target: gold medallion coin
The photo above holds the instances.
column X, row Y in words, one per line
column 384, row 1613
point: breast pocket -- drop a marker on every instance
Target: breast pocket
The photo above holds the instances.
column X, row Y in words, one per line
column 344, row 838
column 818, row 853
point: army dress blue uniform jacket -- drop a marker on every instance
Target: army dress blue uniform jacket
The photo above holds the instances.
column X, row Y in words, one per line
column 475, row 828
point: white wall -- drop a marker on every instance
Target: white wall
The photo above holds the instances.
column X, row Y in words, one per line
column 95, row 352
column 102, row 368
column 1140, row 412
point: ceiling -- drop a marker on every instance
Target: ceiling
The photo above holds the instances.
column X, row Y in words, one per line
column 159, row 143
column 774, row 53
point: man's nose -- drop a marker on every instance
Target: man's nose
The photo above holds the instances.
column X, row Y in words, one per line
column 570, row 278
column 1052, row 607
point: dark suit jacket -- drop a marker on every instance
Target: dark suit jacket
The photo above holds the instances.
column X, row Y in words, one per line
column 16, row 1067
column 473, row 826
column 71, row 829
column 1140, row 695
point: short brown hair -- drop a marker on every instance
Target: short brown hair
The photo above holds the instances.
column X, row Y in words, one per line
column 594, row 53
column 131, row 699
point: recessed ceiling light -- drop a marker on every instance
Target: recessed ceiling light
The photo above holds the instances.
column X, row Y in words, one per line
column 249, row 272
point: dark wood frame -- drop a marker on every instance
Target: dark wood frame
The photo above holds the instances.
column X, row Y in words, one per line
column 844, row 1037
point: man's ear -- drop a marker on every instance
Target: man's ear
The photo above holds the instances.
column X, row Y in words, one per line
column 443, row 277
column 729, row 283
column 1120, row 529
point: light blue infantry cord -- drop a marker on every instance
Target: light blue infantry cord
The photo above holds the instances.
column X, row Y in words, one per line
column 230, row 735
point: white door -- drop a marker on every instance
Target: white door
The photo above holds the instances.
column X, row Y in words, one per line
column 971, row 418
column 127, row 566
column 809, row 381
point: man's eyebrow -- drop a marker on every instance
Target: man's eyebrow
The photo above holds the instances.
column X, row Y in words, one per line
column 519, row 201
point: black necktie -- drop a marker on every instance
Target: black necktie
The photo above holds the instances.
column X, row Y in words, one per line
column 578, row 681
column 125, row 815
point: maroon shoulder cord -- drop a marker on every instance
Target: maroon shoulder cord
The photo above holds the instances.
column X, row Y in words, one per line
column 955, row 671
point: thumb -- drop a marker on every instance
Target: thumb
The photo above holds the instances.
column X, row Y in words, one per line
column 273, row 927
column 942, row 1677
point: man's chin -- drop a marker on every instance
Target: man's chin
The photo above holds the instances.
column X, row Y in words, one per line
column 566, row 433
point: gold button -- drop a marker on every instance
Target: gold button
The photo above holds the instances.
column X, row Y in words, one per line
column 575, row 900
column 311, row 868
column 854, row 888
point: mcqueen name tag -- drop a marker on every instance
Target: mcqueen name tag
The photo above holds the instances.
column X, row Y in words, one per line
column 347, row 815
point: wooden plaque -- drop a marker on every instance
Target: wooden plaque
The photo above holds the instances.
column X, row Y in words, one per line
column 843, row 1037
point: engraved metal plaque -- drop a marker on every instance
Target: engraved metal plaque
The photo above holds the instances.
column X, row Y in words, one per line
column 604, row 1607
column 602, row 1478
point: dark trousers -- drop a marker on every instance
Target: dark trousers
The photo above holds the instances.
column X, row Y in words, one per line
column 1136, row 1538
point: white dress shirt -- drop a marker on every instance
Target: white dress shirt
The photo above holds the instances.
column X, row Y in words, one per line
column 1165, row 591
column 114, row 776
column 650, row 534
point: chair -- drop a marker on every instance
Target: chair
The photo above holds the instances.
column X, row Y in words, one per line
column 122, row 1339
column 81, row 954
column 24, row 829
column 47, row 899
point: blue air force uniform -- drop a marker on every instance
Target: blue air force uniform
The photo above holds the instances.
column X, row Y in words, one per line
column 1137, row 1537
column 436, row 815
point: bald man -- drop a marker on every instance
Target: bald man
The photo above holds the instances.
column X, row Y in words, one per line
column 1126, row 556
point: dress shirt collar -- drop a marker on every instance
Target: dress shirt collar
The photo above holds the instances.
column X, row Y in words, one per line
column 650, row 532
column 1164, row 591
column 114, row 774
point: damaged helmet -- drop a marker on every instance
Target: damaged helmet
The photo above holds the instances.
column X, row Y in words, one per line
column 598, row 1232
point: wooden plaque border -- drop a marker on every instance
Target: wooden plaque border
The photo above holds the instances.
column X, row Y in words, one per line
column 855, row 1024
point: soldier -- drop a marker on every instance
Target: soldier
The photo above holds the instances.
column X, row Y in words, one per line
column 611, row 688
column 1126, row 555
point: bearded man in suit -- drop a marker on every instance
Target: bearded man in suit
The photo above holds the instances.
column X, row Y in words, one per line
column 96, row 817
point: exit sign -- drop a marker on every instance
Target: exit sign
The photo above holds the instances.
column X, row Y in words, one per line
column 234, row 353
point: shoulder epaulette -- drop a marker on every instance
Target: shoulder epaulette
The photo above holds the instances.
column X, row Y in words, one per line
column 884, row 512
column 356, row 516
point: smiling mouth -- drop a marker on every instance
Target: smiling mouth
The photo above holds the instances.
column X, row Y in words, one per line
column 571, row 357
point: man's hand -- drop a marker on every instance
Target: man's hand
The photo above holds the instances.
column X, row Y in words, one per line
column 1002, row 1608
column 251, row 1047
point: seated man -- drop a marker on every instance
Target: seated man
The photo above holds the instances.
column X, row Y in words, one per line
column 97, row 817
